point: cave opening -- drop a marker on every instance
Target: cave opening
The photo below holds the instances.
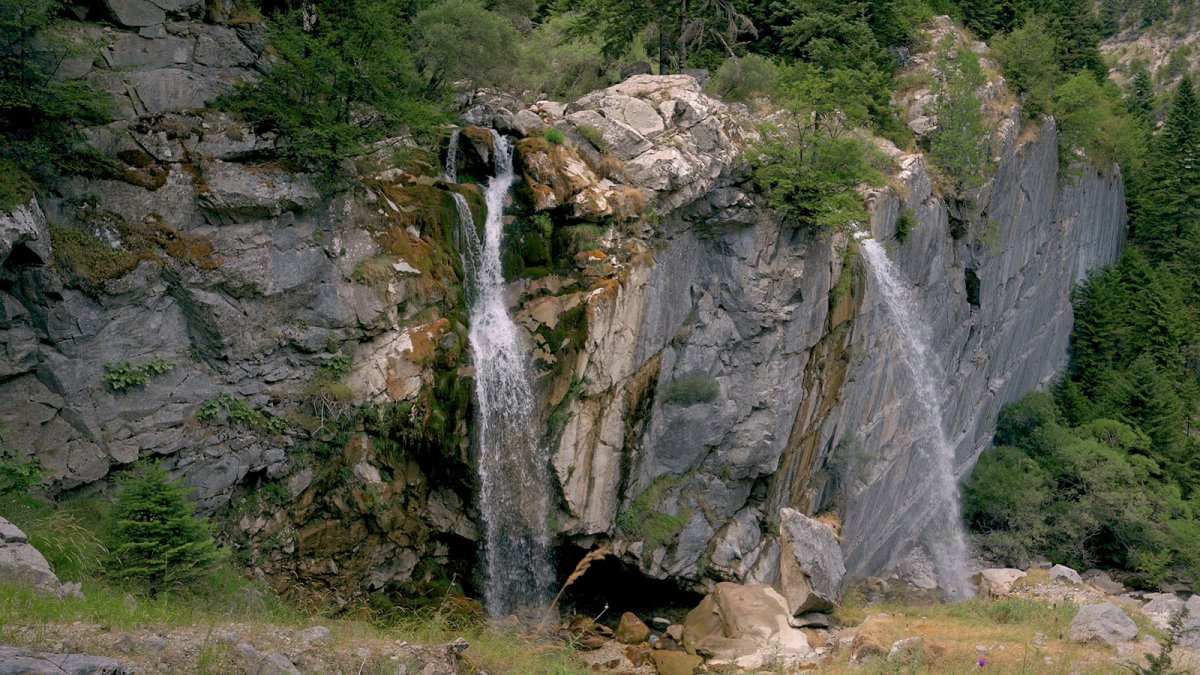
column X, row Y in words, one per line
column 21, row 256
column 621, row 586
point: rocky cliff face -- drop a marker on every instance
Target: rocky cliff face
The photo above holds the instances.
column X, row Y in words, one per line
column 704, row 365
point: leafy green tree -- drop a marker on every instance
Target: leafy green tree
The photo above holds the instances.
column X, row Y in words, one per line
column 812, row 165
column 459, row 39
column 1092, row 123
column 157, row 538
column 344, row 77
column 1006, row 501
column 1029, row 57
column 960, row 146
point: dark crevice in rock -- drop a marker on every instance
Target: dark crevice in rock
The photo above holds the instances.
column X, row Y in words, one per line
column 971, row 278
column 21, row 256
column 622, row 588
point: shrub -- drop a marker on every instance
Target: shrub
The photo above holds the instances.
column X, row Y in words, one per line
column 813, row 164
column 239, row 412
column 742, row 79
column 124, row 375
column 157, row 538
column 15, row 186
column 693, row 389
column 555, row 136
column 643, row 520
column 1028, row 56
column 91, row 260
column 18, row 475
column 905, row 225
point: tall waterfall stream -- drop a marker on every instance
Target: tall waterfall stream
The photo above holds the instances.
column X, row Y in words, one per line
column 945, row 536
column 514, row 480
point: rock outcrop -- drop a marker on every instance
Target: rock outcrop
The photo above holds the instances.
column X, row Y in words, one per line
column 713, row 376
column 22, row 565
column 16, row 661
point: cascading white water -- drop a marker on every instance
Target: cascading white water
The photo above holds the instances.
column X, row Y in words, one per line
column 452, row 158
column 514, row 474
column 945, row 537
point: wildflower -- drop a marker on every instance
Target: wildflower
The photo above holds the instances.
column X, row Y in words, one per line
column 982, row 662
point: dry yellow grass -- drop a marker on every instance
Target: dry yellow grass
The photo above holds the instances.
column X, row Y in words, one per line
column 1018, row 635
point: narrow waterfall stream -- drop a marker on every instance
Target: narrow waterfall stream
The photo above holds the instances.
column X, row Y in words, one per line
column 514, row 474
column 945, row 536
column 452, row 157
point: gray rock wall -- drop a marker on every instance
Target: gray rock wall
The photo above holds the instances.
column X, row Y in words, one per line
column 717, row 291
column 806, row 369
column 1045, row 233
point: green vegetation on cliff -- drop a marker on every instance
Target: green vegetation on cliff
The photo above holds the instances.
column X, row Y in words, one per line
column 40, row 116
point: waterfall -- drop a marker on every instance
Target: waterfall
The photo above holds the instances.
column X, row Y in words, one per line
column 946, row 539
column 452, row 158
column 514, row 473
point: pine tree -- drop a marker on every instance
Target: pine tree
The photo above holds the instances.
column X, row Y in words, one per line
column 1170, row 204
column 1140, row 101
column 158, row 539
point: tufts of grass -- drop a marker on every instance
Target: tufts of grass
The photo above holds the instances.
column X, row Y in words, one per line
column 594, row 136
column 555, row 136
column 15, row 186
column 1022, row 635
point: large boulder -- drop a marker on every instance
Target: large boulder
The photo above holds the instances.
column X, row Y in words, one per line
column 21, row 564
column 747, row 626
column 810, row 563
column 632, row 630
column 675, row 663
column 1104, row 623
column 1162, row 609
column 1064, row 573
column 998, row 582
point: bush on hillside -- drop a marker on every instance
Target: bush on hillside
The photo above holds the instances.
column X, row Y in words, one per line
column 1085, row 496
column 157, row 539
column 742, row 79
